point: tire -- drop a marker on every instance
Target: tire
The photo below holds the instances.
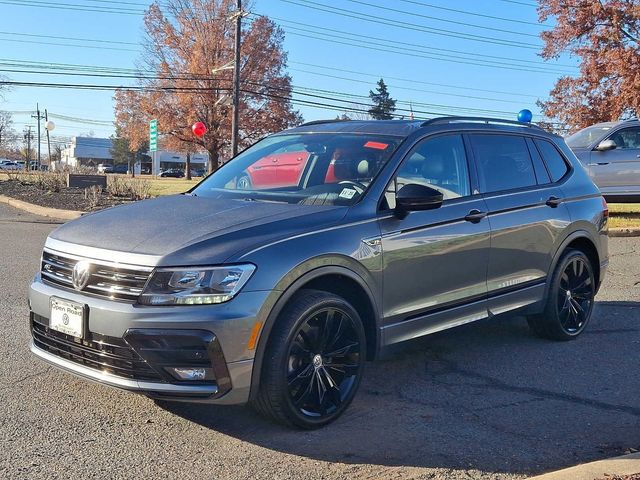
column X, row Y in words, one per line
column 244, row 182
column 314, row 361
column 570, row 299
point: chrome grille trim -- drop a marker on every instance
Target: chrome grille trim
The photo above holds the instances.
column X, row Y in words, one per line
column 110, row 280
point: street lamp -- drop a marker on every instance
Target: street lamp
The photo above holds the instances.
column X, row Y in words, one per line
column 49, row 126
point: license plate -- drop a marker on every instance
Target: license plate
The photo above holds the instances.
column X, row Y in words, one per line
column 67, row 317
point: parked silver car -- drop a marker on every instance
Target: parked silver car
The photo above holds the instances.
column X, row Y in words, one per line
column 611, row 153
column 277, row 291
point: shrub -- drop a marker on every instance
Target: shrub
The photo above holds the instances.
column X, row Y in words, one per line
column 125, row 187
column 92, row 196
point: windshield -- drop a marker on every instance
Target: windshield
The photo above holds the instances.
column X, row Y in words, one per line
column 587, row 136
column 308, row 169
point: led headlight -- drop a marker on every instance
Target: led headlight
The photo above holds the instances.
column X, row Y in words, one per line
column 195, row 286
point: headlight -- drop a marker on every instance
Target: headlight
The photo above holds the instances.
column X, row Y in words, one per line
column 195, row 286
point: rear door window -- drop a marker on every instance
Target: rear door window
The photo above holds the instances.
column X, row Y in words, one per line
column 555, row 163
column 503, row 162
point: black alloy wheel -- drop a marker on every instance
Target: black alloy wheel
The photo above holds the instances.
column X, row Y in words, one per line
column 323, row 362
column 570, row 299
column 314, row 361
column 575, row 295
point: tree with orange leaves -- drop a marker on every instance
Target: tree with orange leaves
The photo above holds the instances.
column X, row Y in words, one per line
column 605, row 35
column 186, row 78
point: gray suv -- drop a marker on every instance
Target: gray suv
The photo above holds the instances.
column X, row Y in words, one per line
column 277, row 277
column 611, row 153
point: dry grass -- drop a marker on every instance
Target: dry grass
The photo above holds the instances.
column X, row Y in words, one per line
column 170, row 186
column 624, row 208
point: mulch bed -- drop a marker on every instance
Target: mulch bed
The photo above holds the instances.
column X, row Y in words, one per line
column 66, row 199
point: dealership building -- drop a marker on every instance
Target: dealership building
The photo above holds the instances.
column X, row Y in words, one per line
column 91, row 152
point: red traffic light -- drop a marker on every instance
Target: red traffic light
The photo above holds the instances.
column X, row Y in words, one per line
column 199, row 129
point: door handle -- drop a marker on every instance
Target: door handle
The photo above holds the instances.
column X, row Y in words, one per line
column 599, row 163
column 553, row 202
column 474, row 216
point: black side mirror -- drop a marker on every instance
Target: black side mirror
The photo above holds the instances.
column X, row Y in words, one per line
column 414, row 196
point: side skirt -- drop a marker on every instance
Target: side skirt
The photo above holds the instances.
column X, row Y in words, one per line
column 529, row 298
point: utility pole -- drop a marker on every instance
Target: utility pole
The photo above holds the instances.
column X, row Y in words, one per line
column 38, row 117
column 27, row 137
column 235, row 120
column 46, row 119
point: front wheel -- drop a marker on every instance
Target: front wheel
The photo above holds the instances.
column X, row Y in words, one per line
column 314, row 361
column 570, row 299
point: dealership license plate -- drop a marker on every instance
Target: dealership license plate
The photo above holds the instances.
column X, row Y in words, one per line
column 67, row 317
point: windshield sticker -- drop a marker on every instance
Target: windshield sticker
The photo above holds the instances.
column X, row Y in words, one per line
column 376, row 145
column 347, row 193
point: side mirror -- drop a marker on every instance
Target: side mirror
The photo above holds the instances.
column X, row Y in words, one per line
column 605, row 145
column 414, row 196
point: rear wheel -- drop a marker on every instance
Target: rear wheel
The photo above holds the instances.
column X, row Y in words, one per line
column 569, row 301
column 314, row 361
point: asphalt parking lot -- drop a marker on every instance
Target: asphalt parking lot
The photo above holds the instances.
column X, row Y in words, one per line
column 486, row 400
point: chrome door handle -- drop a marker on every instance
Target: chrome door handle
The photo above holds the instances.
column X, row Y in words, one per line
column 553, row 202
column 599, row 163
column 474, row 216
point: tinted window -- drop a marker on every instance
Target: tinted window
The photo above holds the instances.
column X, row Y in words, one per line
column 627, row 138
column 538, row 165
column 555, row 163
column 503, row 162
column 438, row 162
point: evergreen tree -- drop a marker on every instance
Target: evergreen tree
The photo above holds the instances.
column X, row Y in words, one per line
column 383, row 104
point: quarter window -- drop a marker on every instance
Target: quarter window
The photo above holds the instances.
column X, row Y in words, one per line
column 438, row 162
column 503, row 162
column 555, row 163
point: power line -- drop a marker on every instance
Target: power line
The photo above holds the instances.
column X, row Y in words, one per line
column 475, row 55
column 494, row 60
column 455, row 22
column 409, row 26
column 198, row 77
column 290, row 98
column 121, row 70
column 466, row 12
column 73, row 7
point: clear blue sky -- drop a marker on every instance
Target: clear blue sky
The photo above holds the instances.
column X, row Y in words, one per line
column 415, row 68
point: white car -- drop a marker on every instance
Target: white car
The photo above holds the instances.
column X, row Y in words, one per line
column 9, row 165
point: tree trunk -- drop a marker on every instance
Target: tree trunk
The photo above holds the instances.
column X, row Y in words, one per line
column 214, row 158
column 188, row 166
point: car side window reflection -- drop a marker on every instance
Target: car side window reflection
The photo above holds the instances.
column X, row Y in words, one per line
column 438, row 162
column 629, row 138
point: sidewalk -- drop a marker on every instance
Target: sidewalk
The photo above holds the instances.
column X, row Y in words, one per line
column 611, row 468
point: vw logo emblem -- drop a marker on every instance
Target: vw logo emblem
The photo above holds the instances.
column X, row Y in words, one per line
column 80, row 275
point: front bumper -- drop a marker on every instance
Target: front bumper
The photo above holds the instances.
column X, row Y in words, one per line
column 230, row 323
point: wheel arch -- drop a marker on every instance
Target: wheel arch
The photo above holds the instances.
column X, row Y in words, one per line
column 336, row 279
column 579, row 240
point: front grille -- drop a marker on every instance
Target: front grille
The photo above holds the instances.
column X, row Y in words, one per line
column 112, row 281
column 107, row 354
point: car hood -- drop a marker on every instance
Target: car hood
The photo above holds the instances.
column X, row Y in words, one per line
column 190, row 230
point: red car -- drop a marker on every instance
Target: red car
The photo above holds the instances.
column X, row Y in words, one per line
column 277, row 170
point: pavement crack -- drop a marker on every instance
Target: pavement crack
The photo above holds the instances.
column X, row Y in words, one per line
column 24, row 379
column 496, row 384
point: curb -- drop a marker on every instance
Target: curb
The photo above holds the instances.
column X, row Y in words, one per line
column 624, row 232
column 624, row 465
column 42, row 211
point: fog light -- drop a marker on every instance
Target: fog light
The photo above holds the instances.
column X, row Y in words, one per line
column 191, row 374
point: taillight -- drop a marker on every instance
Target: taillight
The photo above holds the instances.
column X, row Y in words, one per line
column 605, row 208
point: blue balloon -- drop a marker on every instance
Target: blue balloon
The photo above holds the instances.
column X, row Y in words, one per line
column 525, row 116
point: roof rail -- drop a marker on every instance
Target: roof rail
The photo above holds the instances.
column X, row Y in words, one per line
column 439, row 120
column 320, row 122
